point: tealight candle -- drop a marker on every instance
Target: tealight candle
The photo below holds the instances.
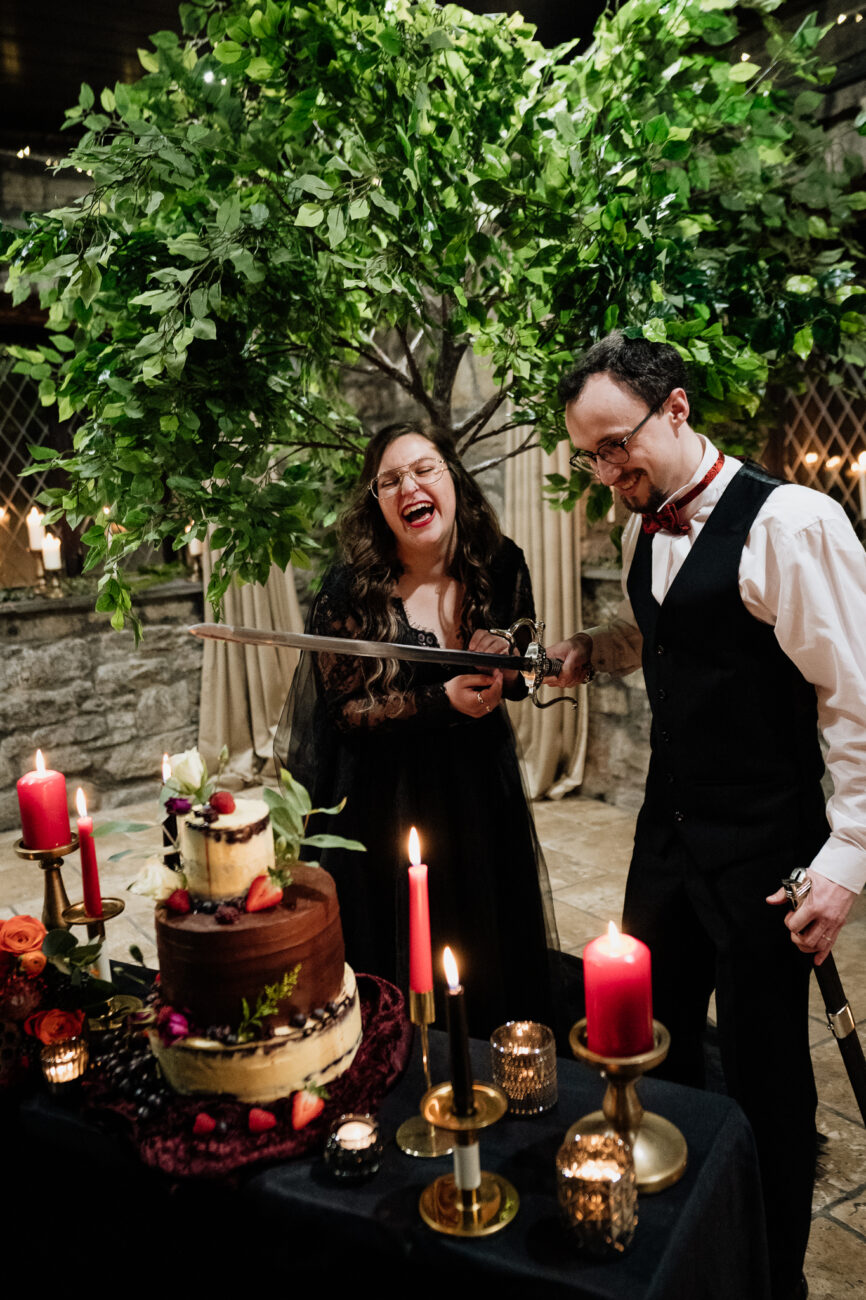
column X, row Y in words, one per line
column 353, row 1150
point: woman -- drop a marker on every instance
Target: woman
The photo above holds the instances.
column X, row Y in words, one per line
column 412, row 744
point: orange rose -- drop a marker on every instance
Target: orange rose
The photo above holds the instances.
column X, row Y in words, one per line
column 54, row 1026
column 21, row 934
column 33, row 963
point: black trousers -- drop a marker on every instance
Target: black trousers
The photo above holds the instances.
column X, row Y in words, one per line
column 710, row 931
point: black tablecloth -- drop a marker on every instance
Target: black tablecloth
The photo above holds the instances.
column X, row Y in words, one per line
column 702, row 1239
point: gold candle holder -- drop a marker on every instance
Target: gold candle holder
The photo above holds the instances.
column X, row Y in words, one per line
column 77, row 914
column 659, row 1148
column 417, row 1136
column 54, row 898
column 470, row 1202
column 64, row 1063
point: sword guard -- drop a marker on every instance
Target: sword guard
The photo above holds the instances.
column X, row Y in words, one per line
column 797, row 886
column 542, row 666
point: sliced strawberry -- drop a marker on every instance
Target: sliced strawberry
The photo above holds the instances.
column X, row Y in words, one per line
column 204, row 1124
column 178, row 901
column 222, row 802
column 305, row 1107
column 262, row 894
column 259, row 1121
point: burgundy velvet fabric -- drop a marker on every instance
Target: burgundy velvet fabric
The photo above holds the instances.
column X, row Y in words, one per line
column 168, row 1142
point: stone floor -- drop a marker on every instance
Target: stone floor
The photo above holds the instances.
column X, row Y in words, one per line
column 587, row 845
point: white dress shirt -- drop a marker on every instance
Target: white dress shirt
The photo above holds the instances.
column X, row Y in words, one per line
column 803, row 571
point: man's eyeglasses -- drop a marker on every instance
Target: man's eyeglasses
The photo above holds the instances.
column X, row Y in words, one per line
column 428, row 469
column 614, row 451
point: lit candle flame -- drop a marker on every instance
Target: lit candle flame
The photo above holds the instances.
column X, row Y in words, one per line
column 414, row 848
column 614, row 939
column 452, row 975
column 40, row 761
column 166, row 768
column 80, row 802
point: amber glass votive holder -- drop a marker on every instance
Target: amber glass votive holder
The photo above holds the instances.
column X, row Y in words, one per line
column 64, row 1064
column 523, row 1061
column 597, row 1192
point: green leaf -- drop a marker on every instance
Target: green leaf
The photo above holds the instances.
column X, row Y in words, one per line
column 803, row 342
column 309, row 214
column 333, row 842
column 743, row 71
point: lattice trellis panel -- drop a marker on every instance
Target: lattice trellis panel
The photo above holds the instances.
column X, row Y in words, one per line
column 23, row 422
column 825, row 434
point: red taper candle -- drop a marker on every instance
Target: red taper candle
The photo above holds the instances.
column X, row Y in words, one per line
column 420, row 953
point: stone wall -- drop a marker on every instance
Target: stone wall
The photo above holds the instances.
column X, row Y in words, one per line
column 102, row 710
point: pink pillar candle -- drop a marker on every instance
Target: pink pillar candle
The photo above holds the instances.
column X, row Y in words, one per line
column 619, row 1016
column 420, row 954
column 43, row 806
column 89, row 869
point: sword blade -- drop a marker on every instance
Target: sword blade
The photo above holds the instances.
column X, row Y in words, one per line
column 467, row 660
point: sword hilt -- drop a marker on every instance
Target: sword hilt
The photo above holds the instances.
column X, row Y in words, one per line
column 540, row 666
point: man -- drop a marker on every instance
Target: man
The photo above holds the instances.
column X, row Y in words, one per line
column 746, row 600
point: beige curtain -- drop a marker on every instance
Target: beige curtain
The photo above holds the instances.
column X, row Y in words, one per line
column 244, row 687
column 553, row 741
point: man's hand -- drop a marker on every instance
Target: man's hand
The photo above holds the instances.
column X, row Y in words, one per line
column 575, row 654
column 816, row 923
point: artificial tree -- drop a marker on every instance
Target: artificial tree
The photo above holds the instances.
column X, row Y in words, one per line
column 294, row 193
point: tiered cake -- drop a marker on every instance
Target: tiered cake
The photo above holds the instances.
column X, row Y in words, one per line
column 256, row 999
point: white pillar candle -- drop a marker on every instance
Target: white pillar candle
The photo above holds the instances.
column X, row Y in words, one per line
column 51, row 553
column 35, row 532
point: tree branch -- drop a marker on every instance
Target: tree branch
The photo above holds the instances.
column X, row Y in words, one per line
column 526, row 445
column 480, row 417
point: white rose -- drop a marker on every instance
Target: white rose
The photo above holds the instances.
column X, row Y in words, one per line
column 157, row 881
column 188, row 770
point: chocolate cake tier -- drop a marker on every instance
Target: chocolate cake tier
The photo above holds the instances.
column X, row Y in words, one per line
column 207, row 968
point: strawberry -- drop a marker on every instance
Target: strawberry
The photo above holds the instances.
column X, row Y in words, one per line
column 222, row 802
column 262, row 894
column 204, row 1124
column 178, row 901
column 259, row 1121
column 306, row 1106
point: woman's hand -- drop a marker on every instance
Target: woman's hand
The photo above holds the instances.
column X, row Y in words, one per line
column 489, row 644
column 475, row 694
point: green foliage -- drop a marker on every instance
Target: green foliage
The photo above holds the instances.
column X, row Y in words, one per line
column 267, row 1004
column 291, row 808
column 298, row 192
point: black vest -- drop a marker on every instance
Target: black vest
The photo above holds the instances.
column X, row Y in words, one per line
column 736, row 765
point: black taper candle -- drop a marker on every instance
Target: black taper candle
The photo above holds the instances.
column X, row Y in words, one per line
column 458, row 1041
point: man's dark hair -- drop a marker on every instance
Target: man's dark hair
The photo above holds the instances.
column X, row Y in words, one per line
column 650, row 370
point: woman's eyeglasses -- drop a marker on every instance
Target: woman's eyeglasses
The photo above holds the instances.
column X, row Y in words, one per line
column 426, row 470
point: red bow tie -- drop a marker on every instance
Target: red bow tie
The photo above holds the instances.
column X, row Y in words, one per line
column 668, row 519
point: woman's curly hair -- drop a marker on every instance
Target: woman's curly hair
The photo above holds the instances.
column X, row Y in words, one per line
column 370, row 549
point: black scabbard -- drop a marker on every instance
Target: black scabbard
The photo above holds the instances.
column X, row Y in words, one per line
column 842, row 1025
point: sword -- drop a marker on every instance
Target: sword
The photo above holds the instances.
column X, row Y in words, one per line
column 534, row 664
column 840, row 1018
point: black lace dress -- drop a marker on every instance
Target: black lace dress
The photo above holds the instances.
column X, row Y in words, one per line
column 409, row 760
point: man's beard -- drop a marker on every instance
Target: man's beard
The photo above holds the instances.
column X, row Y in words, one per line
column 651, row 506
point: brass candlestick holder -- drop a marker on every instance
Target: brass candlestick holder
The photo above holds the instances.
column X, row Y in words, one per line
column 417, row 1136
column 659, row 1148
column 76, row 914
column 470, row 1202
column 54, row 901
